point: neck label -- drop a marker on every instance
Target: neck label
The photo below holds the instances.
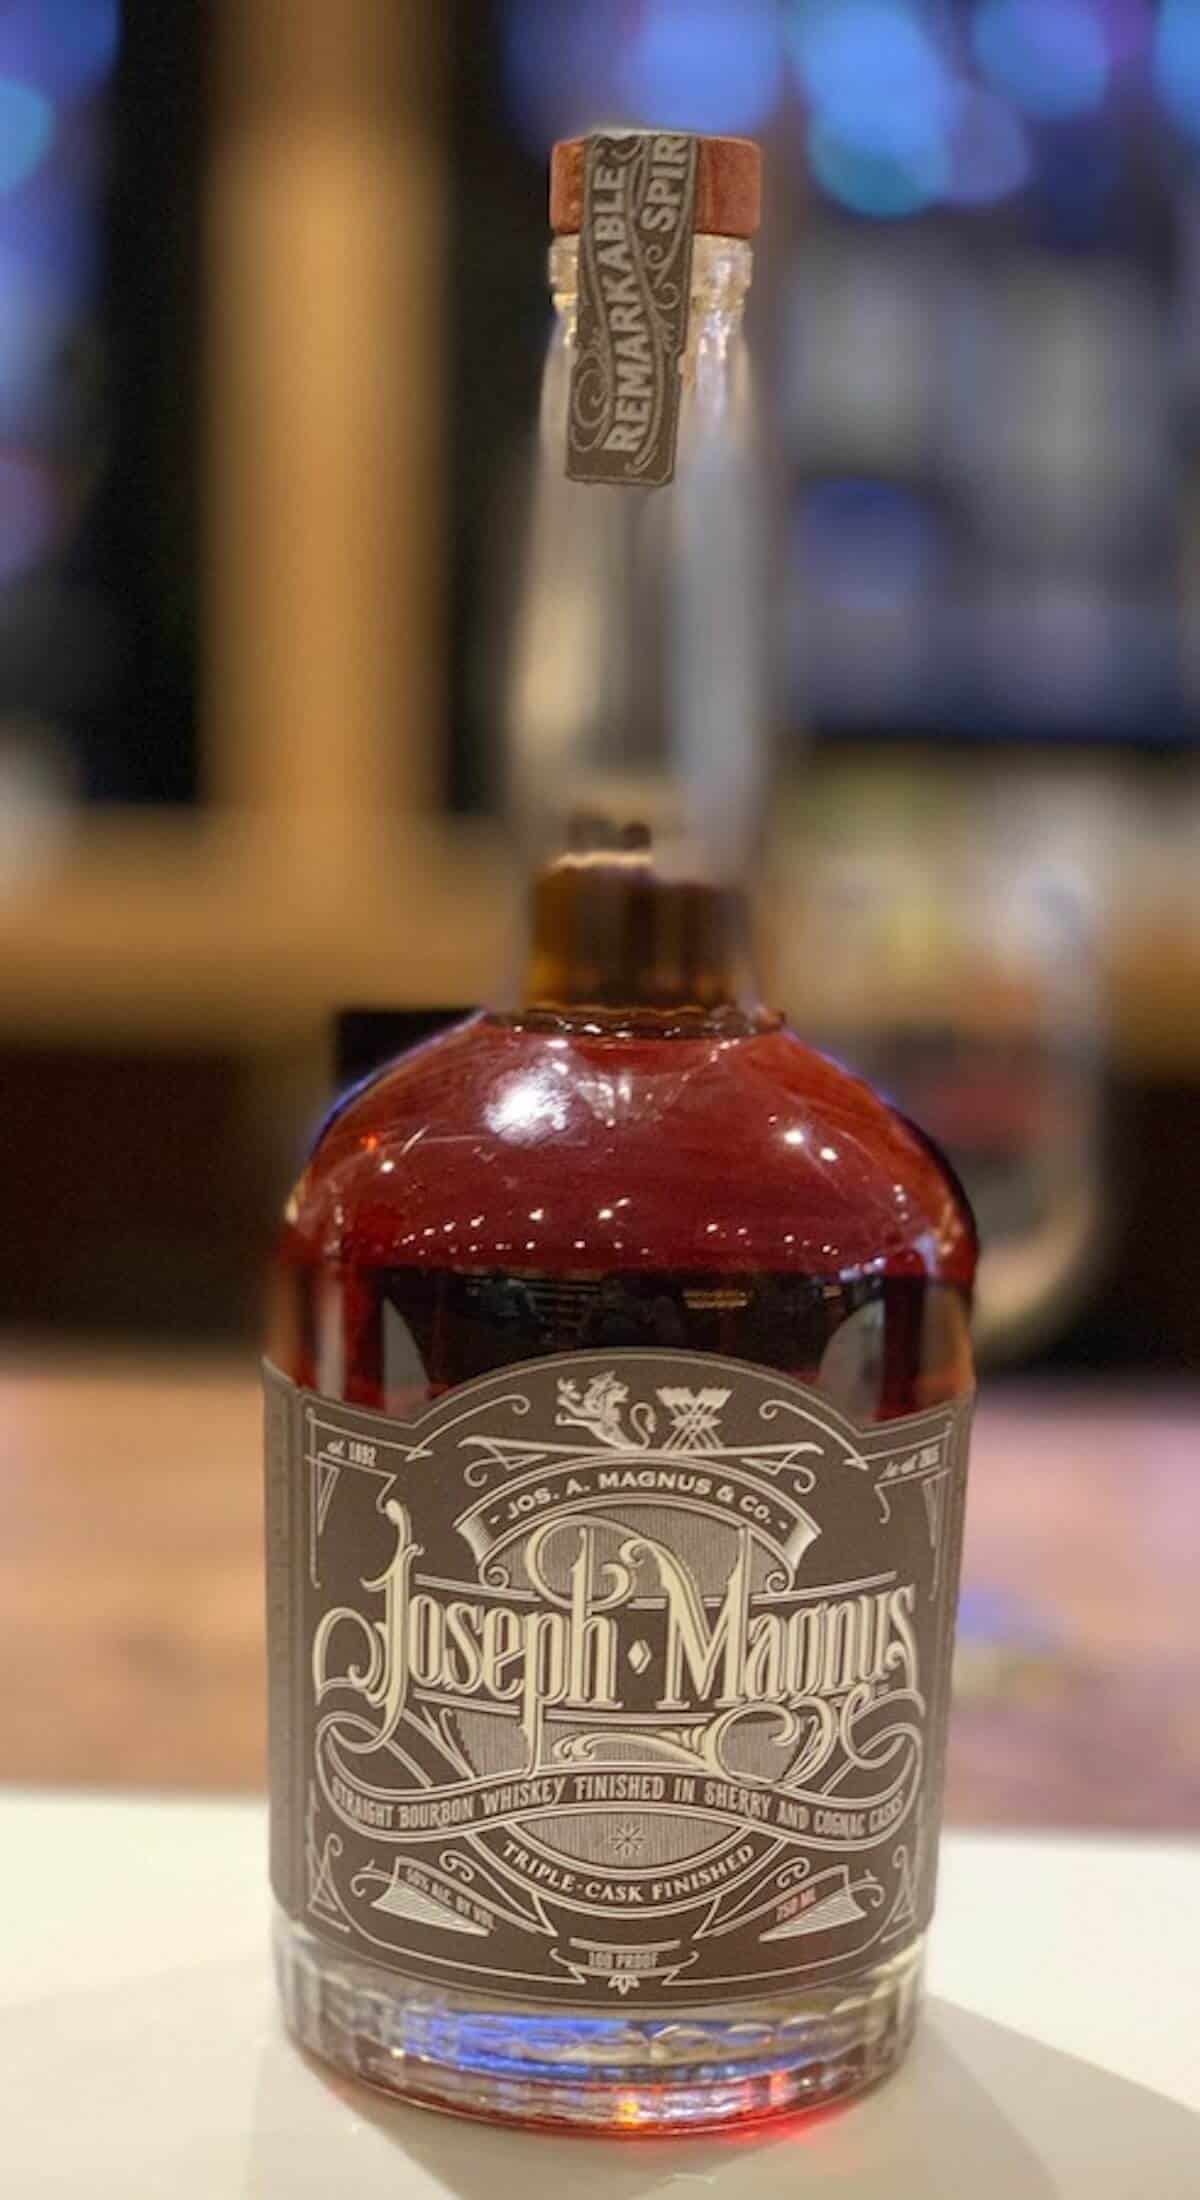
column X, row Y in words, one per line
column 635, row 279
column 614, row 1674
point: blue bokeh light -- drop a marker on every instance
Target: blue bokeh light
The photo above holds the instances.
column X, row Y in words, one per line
column 26, row 129
column 1051, row 57
column 558, row 66
column 883, row 104
column 886, row 181
column 866, row 65
column 868, row 544
column 51, row 233
column 1177, row 61
column 991, row 157
column 688, row 64
column 1128, row 25
column 66, row 48
column 704, row 64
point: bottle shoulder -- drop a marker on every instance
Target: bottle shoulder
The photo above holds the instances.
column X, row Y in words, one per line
column 497, row 1143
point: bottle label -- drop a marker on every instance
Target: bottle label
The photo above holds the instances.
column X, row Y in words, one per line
column 613, row 1674
column 635, row 283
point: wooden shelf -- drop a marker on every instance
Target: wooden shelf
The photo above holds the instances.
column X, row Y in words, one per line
column 228, row 932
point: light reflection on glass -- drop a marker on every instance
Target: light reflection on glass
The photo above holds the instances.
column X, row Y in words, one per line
column 527, row 1104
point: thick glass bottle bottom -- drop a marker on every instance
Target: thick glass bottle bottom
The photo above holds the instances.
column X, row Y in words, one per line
column 619, row 2074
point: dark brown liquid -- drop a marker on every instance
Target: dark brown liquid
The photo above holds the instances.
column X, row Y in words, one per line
column 641, row 1158
column 396, row 1337
column 509, row 1191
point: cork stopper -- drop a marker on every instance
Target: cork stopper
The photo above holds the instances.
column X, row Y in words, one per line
column 728, row 186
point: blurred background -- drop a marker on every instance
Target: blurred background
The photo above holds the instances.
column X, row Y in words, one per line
column 272, row 313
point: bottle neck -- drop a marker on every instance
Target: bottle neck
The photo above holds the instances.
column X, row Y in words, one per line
column 612, row 943
column 635, row 714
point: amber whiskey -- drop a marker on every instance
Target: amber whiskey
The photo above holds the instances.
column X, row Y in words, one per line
column 617, row 1398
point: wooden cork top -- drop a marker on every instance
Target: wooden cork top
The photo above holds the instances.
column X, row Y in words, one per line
column 728, row 186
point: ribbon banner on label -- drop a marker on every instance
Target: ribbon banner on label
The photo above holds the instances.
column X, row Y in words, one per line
column 635, row 281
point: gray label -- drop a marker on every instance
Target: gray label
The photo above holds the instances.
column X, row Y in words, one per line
column 635, row 274
column 614, row 1673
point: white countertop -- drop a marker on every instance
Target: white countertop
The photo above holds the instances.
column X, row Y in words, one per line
column 140, row 2052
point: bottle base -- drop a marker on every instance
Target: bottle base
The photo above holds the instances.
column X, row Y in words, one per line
column 618, row 2075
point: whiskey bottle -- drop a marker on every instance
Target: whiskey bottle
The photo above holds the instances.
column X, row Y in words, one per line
column 619, row 1372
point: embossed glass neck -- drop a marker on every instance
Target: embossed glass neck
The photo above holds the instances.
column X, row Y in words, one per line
column 635, row 700
column 722, row 268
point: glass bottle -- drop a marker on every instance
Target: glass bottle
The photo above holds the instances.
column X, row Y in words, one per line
column 609, row 1242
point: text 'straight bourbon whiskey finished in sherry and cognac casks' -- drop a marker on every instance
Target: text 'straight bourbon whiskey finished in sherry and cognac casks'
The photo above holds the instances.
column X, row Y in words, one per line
column 620, row 1374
